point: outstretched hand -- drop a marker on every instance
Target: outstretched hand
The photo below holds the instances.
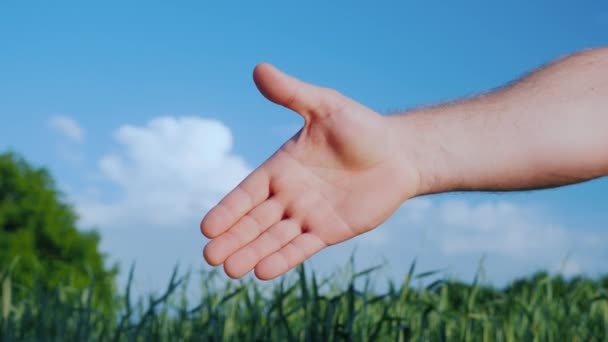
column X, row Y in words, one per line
column 340, row 176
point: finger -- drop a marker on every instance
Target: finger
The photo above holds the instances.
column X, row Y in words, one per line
column 294, row 253
column 252, row 191
column 244, row 231
column 286, row 90
column 277, row 236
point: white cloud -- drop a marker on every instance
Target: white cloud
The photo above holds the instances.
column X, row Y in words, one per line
column 454, row 234
column 495, row 227
column 501, row 228
column 167, row 173
column 67, row 127
column 163, row 177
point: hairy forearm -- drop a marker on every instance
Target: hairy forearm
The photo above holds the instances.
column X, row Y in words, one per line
column 548, row 129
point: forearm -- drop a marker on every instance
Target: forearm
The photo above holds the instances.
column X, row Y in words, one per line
column 548, row 129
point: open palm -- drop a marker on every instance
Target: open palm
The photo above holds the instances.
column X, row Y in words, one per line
column 341, row 175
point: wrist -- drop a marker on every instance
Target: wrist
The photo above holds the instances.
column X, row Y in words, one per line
column 422, row 153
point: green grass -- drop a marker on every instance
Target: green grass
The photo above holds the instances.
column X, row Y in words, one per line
column 304, row 308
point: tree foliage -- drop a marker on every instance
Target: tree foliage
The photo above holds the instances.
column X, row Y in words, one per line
column 38, row 234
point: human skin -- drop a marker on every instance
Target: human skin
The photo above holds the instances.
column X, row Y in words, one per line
column 349, row 168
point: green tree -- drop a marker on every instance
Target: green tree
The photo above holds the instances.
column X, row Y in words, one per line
column 38, row 232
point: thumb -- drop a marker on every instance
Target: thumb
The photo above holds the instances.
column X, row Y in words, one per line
column 287, row 91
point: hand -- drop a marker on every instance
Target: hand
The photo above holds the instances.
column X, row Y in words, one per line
column 340, row 176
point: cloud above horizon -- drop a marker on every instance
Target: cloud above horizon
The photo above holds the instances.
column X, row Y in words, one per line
column 166, row 173
column 67, row 127
column 455, row 233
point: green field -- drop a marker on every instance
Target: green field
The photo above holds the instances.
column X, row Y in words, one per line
column 303, row 308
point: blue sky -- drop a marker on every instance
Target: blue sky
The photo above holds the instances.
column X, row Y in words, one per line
column 146, row 113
